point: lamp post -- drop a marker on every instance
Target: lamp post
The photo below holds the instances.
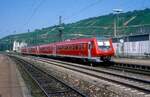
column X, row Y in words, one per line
column 116, row 11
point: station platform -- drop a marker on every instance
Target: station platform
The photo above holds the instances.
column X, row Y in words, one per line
column 9, row 81
column 132, row 61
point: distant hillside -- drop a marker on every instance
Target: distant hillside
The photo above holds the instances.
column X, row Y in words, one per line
column 135, row 22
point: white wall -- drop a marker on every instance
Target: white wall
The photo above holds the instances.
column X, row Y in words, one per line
column 137, row 48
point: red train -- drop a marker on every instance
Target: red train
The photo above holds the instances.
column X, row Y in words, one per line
column 91, row 49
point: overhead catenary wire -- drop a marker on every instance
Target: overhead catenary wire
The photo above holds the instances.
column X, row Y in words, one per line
column 82, row 10
column 34, row 12
column 35, row 9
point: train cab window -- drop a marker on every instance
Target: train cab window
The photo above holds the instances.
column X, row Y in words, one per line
column 104, row 45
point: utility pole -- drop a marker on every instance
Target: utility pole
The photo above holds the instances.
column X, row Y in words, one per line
column 60, row 20
column 115, row 27
column 28, row 30
column 60, row 28
column 116, row 11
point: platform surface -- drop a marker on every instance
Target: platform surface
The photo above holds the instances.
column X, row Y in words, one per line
column 132, row 61
column 9, row 83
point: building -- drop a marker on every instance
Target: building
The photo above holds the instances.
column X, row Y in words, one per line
column 18, row 45
column 132, row 46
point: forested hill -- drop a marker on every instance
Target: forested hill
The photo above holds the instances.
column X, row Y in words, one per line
column 135, row 22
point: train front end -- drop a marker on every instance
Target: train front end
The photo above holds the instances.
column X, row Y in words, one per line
column 105, row 49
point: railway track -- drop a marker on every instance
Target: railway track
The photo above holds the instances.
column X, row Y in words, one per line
column 133, row 81
column 134, row 68
column 49, row 85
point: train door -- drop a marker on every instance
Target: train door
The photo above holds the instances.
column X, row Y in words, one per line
column 37, row 50
column 54, row 50
column 89, row 50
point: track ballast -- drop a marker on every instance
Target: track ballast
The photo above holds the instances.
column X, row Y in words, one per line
column 51, row 86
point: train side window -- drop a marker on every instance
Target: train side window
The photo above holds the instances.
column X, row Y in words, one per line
column 60, row 47
column 66, row 47
column 71, row 47
column 79, row 47
column 84, row 46
column 76, row 47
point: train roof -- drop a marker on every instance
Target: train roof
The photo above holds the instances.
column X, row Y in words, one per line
column 70, row 41
column 81, row 40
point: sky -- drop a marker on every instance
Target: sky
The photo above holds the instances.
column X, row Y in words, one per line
column 17, row 16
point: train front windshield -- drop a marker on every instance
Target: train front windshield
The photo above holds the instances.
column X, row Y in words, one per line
column 104, row 45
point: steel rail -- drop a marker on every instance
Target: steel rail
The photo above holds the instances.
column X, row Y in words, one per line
column 29, row 68
column 134, row 68
column 96, row 69
column 147, row 90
